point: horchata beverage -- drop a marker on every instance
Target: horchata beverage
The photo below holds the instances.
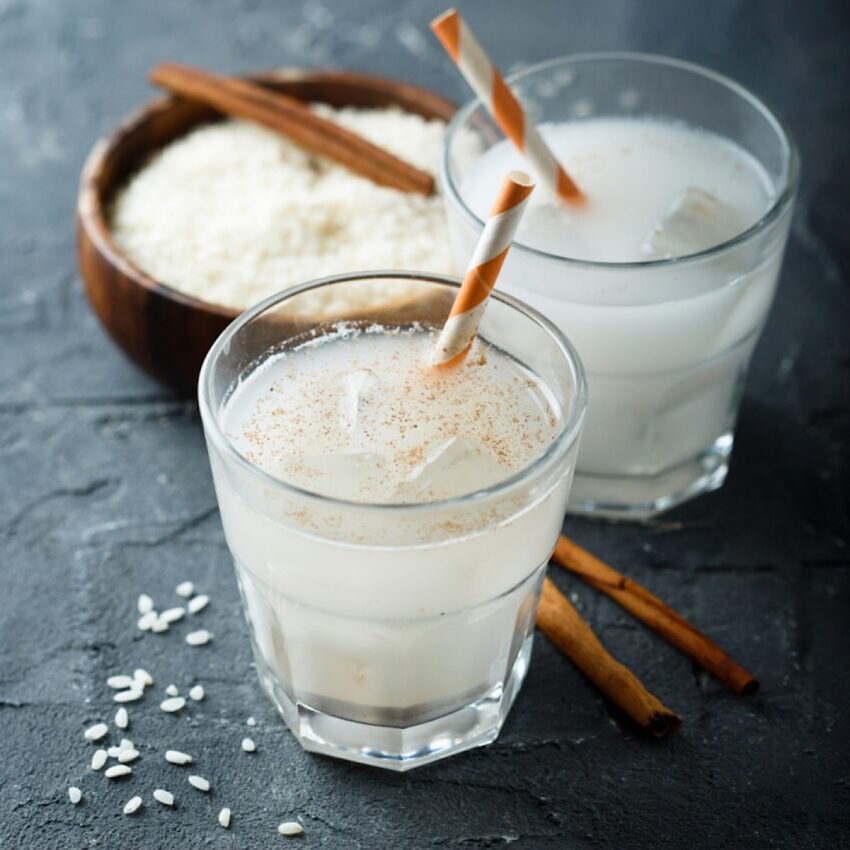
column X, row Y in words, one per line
column 390, row 523
column 663, row 277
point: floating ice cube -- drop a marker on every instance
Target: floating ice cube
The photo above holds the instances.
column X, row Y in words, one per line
column 695, row 221
column 358, row 389
column 341, row 476
column 458, row 466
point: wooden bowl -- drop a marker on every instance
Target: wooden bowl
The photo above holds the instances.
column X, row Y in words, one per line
column 162, row 330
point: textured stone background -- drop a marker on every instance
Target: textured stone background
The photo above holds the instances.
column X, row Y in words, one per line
column 105, row 488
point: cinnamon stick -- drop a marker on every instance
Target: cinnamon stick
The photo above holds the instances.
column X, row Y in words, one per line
column 566, row 628
column 650, row 610
column 292, row 118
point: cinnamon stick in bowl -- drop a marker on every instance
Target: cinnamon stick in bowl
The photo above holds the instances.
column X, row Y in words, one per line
column 292, row 118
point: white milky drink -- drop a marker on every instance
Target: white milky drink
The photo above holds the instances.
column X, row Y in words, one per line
column 665, row 342
column 381, row 594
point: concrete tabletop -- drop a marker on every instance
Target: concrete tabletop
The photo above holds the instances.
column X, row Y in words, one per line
column 105, row 490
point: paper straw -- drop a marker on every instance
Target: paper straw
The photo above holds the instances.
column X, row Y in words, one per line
column 460, row 328
column 488, row 84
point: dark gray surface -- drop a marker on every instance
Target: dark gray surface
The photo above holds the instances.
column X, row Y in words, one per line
column 105, row 488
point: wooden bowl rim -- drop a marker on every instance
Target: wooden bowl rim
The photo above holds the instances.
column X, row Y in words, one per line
column 93, row 216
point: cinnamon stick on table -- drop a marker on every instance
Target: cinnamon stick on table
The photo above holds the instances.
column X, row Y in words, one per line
column 292, row 118
column 656, row 614
column 564, row 626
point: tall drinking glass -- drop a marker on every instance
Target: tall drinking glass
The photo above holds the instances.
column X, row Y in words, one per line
column 390, row 634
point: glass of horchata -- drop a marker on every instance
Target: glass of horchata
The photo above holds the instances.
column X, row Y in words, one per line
column 663, row 278
column 390, row 524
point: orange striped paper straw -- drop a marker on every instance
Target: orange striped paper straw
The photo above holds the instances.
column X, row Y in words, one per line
column 487, row 83
column 458, row 333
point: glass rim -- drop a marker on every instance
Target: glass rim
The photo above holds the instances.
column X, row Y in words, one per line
column 782, row 200
column 559, row 445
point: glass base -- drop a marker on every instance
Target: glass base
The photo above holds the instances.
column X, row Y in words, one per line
column 635, row 497
column 399, row 748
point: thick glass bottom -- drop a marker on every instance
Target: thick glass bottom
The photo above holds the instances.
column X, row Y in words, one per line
column 643, row 497
column 399, row 747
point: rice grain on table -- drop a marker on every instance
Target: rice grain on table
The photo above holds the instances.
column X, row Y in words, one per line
column 132, row 805
column 130, row 695
column 172, row 615
column 117, row 771
column 164, row 797
column 290, row 828
column 224, row 818
column 126, row 756
column 146, row 622
column 98, row 760
column 176, row 757
column 233, row 212
column 122, row 719
column 197, row 603
column 248, row 745
column 120, row 683
column 142, row 678
column 172, row 704
column 144, row 603
column 172, row 691
column 185, row 589
column 96, row 732
column 199, row 782
column 74, row 794
column 198, row 638
column 196, row 692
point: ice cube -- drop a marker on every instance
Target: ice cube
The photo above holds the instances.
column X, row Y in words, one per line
column 459, row 465
column 695, row 221
column 358, row 390
column 344, row 475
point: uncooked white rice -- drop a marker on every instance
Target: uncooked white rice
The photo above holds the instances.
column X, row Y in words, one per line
column 172, row 704
column 142, row 677
column 130, row 695
column 198, row 638
column 98, row 760
column 74, row 794
column 199, row 782
column 147, row 620
column 248, row 745
column 164, row 797
column 122, row 719
column 290, row 828
column 120, row 683
column 224, row 818
column 117, row 771
column 144, row 604
column 126, row 756
column 176, row 757
column 233, row 212
column 132, row 805
column 198, row 603
column 172, row 615
column 196, row 692
column 172, row 691
column 96, row 732
column 185, row 589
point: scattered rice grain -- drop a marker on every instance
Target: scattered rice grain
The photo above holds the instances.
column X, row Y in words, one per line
column 185, row 589
column 142, row 677
column 172, row 691
column 114, row 752
column 176, row 757
column 98, row 760
column 248, row 745
column 198, row 603
column 117, row 771
column 74, row 794
column 224, row 818
column 172, row 615
column 164, row 797
column 290, row 828
column 196, row 692
column 122, row 719
column 132, row 805
column 251, row 721
column 199, row 782
column 144, row 604
column 198, row 638
column 130, row 695
column 147, row 620
column 172, row 704
column 126, row 756
column 96, row 732
column 120, row 682
column 159, row 626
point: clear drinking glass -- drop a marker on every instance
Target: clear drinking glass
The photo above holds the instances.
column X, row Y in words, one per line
column 390, row 634
column 666, row 343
